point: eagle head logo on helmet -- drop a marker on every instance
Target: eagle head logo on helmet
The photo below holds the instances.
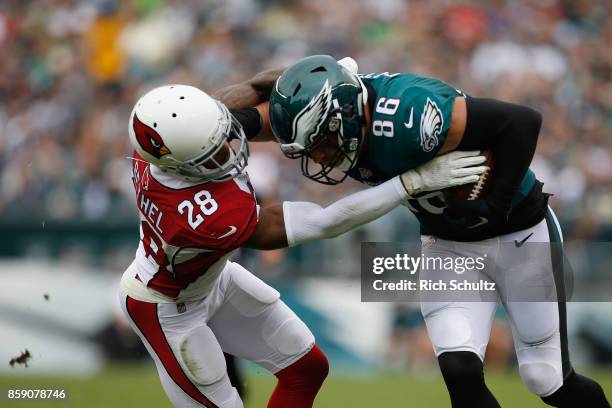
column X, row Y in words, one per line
column 150, row 141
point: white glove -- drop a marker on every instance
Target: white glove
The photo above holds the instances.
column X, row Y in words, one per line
column 350, row 64
column 451, row 169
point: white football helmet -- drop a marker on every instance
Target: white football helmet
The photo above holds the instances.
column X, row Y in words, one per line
column 181, row 130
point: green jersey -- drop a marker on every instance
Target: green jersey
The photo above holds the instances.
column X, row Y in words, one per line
column 411, row 116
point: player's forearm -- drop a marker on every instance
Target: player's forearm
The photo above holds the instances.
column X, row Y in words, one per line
column 264, row 82
column 265, row 133
column 255, row 123
column 306, row 221
column 249, row 93
column 239, row 96
column 511, row 132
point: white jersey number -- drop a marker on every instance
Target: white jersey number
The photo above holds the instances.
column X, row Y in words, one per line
column 207, row 205
column 385, row 106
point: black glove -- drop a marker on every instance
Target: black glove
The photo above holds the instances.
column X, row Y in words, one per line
column 475, row 215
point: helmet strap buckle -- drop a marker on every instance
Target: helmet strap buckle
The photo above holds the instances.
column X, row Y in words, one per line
column 351, row 144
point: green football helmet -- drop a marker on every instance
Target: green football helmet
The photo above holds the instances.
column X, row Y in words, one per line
column 314, row 100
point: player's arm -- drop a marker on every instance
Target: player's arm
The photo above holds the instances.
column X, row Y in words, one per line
column 509, row 130
column 248, row 102
column 294, row 223
column 457, row 127
column 249, row 93
column 255, row 123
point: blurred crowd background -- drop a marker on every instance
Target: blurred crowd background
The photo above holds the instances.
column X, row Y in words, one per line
column 72, row 69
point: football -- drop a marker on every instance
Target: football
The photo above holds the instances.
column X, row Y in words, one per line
column 479, row 189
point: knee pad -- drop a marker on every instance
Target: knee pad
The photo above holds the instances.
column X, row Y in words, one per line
column 201, row 356
column 460, row 367
column 249, row 294
column 449, row 331
column 540, row 366
column 541, row 378
column 289, row 337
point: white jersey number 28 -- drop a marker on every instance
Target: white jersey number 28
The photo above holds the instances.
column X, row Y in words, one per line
column 207, row 206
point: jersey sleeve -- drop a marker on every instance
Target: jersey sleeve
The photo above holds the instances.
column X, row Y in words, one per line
column 233, row 228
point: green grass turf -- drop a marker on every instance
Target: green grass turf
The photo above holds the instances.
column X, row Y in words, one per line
column 138, row 386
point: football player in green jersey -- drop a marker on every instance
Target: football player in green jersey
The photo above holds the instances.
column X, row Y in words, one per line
column 373, row 127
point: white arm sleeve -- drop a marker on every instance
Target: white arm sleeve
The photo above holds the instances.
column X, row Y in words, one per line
column 306, row 221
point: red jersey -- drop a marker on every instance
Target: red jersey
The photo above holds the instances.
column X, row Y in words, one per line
column 187, row 227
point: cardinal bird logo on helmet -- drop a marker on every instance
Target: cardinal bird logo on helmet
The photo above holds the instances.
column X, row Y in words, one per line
column 149, row 139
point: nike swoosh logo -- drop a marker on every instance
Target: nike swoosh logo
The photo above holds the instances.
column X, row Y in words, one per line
column 521, row 242
column 231, row 231
column 482, row 221
column 409, row 124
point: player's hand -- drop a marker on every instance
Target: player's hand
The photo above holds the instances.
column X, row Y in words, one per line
column 448, row 170
column 350, row 64
column 474, row 214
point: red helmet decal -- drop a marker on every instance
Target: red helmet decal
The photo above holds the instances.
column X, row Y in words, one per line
column 150, row 141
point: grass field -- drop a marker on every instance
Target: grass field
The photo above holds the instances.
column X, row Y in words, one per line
column 138, row 386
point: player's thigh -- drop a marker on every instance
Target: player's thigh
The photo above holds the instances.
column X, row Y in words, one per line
column 253, row 323
column 457, row 320
column 186, row 353
column 531, row 280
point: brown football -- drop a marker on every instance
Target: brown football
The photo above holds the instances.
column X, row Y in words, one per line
column 479, row 189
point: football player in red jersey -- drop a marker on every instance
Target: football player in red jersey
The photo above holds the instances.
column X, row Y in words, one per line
column 181, row 294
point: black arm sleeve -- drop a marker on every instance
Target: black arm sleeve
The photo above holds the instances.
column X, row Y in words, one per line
column 250, row 120
column 511, row 132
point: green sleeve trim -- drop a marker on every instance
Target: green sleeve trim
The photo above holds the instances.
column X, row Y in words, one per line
column 524, row 189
